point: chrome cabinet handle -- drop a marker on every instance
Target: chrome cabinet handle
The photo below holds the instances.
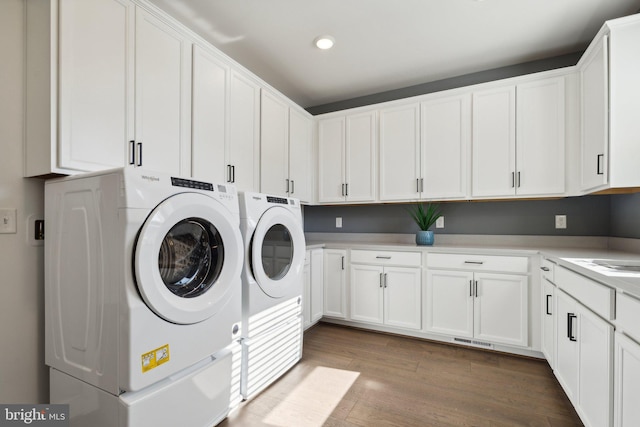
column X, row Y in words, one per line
column 293, row 186
column 382, row 257
column 470, row 288
column 513, row 179
column 233, row 173
column 385, row 280
column 474, row 262
column 519, row 179
column 544, row 268
column 380, row 279
column 476, row 286
column 287, row 185
column 342, row 262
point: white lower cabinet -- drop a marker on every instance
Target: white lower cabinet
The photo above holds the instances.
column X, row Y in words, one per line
column 627, row 382
column 548, row 321
column 335, row 283
column 313, row 295
column 386, row 295
column 485, row 306
column 584, row 364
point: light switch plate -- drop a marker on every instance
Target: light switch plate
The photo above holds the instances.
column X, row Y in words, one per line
column 8, row 221
column 339, row 222
column 440, row 222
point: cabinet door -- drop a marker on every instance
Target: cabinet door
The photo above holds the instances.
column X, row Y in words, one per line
column 540, row 137
column 449, row 303
column 367, row 293
column 306, row 291
column 399, row 149
column 494, row 142
column 300, row 170
column 501, row 308
column 402, row 297
column 317, row 284
column 274, row 145
column 360, row 166
column 595, row 369
column 243, row 143
column 566, row 369
column 331, row 159
column 626, row 380
column 162, row 96
column 209, row 116
column 446, row 135
column 335, row 291
column 548, row 321
column 95, row 78
column 594, row 81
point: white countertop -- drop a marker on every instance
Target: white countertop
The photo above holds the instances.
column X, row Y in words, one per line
column 572, row 257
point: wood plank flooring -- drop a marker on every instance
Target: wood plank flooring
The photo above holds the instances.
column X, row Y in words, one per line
column 351, row 377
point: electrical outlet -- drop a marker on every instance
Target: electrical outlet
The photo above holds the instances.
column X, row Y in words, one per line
column 339, row 222
column 561, row 221
column 440, row 222
column 8, row 221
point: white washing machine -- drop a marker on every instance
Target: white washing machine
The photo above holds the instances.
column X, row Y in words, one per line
column 142, row 296
column 272, row 286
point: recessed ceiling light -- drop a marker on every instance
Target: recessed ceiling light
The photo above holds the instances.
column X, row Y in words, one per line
column 324, row 42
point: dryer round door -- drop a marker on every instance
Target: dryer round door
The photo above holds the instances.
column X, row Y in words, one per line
column 188, row 258
column 277, row 252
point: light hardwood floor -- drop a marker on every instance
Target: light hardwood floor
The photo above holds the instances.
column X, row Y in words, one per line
column 351, row 377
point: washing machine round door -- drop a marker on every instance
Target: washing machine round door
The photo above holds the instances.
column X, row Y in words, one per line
column 277, row 252
column 188, row 258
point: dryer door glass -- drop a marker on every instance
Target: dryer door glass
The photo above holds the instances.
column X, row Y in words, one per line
column 191, row 257
column 277, row 252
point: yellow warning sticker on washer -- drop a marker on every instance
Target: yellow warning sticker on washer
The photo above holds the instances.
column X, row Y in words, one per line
column 155, row 358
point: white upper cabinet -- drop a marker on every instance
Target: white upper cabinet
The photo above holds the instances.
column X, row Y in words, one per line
column 446, row 136
column 595, row 133
column 300, row 148
column 243, row 137
column 346, row 158
column 274, row 145
column 609, row 72
column 285, row 149
column 399, row 149
column 494, row 142
column 95, row 75
column 540, row 137
column 519, row 140
column 209, row 116
column 123, row 90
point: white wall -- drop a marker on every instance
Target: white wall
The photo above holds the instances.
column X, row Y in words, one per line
column 23, row 376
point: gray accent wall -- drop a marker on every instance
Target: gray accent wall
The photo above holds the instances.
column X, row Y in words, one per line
column 586, row 216
column 625, row 215
column 452, row 83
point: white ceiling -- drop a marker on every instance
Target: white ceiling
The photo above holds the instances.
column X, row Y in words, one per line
column 383, row 45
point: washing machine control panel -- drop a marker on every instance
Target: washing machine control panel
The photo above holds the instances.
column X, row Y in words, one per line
column 279, row 200
column 189, row 183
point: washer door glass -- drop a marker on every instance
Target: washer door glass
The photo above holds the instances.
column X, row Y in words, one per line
column 188, row 258
column 277, row 252
column 191, row 257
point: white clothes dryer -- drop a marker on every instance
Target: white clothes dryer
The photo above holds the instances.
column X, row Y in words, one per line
column 272, row 286
column 142, row 278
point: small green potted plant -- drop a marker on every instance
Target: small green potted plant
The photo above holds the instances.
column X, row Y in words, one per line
column 425, row 218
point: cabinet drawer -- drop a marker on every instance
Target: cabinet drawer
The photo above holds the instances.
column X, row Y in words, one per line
column 547, row 270
column 628, row 315
column 595, row 296
column 410, row 259
column 509, row 264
